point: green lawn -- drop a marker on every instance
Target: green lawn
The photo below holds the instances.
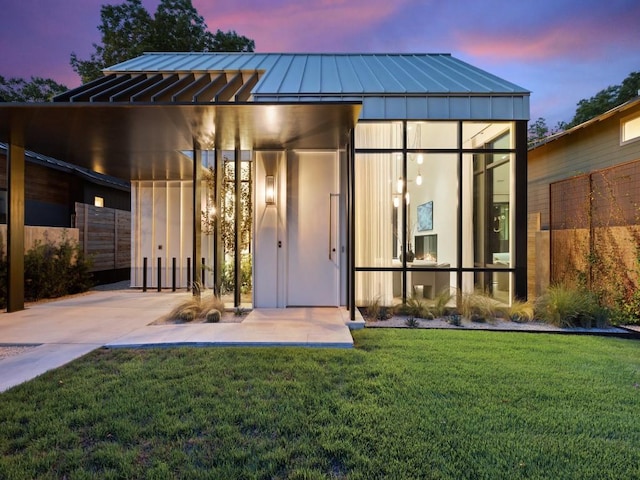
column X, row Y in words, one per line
column 403, row 404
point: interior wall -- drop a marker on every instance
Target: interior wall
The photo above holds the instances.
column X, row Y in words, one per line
column 440, row 185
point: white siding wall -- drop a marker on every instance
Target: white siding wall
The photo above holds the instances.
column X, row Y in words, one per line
column 162, row 216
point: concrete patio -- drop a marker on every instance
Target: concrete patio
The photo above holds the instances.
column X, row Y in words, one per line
column 66, row 329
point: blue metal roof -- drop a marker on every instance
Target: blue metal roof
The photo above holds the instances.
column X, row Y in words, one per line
column 321, row 74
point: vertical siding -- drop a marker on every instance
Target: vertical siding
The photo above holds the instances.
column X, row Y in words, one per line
column 105, row 236
column 163, row 222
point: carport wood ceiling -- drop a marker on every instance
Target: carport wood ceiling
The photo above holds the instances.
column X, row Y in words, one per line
column 134, row 127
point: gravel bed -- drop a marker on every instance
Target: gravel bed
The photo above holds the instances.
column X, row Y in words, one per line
column 12, row 351
column 498, row 324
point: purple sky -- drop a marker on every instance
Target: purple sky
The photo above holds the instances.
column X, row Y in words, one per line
column 561, row 50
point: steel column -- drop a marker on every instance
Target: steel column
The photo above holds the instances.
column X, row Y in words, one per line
column 351, row 243
column 238, row 235
column 197, row 214
column 15, row 227
column 520, row 280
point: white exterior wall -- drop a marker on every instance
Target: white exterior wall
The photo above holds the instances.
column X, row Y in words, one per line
column 162, row 225
column 269, row 259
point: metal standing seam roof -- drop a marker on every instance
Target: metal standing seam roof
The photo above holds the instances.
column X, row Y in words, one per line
column 313, row 74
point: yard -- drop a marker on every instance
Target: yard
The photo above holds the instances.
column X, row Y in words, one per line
column 403, row 404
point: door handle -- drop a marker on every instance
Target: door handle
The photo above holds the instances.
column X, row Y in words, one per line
column 332, row 249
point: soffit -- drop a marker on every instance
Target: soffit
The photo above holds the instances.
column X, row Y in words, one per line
column 144, row 141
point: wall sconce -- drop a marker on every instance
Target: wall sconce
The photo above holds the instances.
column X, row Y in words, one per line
column 270, row 190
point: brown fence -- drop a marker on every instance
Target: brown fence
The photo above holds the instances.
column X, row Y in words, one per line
column 105, row 236
column 595, row 231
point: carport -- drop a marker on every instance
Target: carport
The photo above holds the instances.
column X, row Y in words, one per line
column 145, row 141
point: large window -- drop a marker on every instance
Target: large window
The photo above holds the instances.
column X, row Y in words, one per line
column 433, row 209
column 630, row 129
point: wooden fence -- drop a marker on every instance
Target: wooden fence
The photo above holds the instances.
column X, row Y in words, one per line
column 39, row 234
column 105, row 236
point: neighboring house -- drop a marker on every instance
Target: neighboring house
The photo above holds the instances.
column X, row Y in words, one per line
column 55, row 191
column 584, row 197
column 307, row 179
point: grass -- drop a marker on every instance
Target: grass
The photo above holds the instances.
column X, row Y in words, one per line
column 403, row 404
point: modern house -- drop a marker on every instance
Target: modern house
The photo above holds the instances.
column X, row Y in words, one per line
column 79, row 204
column 583, row 201
column 305, row 179
column 54, row 187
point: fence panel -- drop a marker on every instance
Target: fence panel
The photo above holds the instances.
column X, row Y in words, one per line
column 105, row 236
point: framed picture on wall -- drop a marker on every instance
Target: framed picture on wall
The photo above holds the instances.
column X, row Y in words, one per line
column 425, row 216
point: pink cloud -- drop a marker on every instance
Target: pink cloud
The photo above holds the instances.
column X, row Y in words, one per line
column 321, row 25
column 582, row 39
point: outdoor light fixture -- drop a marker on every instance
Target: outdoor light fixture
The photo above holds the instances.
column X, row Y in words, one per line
column 399, row 185
column 419, row 179
column 270, row 190
column 420, row 159
column 396, row 201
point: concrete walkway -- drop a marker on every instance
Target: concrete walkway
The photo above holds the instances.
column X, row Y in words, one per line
column 66, row 329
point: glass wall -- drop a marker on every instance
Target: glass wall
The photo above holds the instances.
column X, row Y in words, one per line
column 433, row 209
column 227, row 218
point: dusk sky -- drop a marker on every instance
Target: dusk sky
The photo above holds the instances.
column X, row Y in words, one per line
column 561, row 50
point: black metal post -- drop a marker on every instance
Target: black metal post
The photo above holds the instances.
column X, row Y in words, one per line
column 173, row 274
column 203, row 274
column 144, row 274
column 238, row 233
column 520, row 280
column 159, row 274
column 351, row 227
column 188, row 274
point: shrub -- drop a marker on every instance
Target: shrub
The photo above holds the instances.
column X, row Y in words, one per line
column 567, row 307
column 3, row 277
column 227, row 278
column 454, row 319
column 375, row 311
column 441, row 301
column 520, row 312
column 213, row 316
column 197, row 306
column 415, row 307
column 412, row 322
column 50, row 270
column 53, row 270
column 478, row 307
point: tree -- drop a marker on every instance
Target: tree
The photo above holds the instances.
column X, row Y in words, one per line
column 36, row 90
column 231, row 42
column 125, row 32
column 606, row 99
column 539, row 130
column 179, row 28
column 128, row 30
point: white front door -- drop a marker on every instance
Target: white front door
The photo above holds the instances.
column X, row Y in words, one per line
column 313, row 269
